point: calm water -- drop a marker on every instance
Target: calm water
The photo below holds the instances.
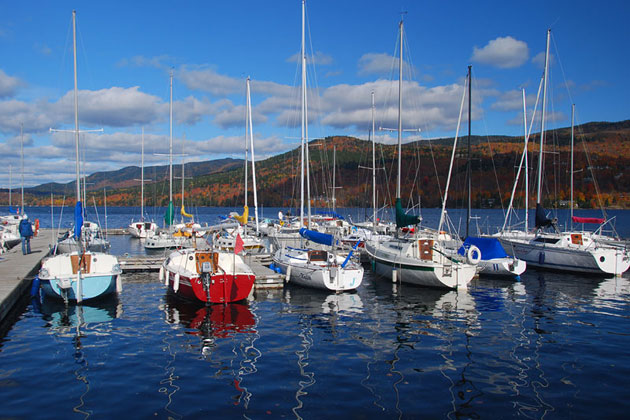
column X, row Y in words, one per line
column 550, row 346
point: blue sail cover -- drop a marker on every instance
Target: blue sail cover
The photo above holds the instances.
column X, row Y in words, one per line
column 320, row 238
column 78, row 219
column 12, row 210
column 490, row 247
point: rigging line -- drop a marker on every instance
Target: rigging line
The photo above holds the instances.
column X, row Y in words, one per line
column 494, row 168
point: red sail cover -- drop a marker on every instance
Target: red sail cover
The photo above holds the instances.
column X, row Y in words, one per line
column 597, row 220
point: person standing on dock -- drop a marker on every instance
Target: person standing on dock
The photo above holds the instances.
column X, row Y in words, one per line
column 26, row 232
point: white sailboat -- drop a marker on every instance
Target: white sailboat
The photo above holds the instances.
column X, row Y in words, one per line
column 568, row 251
column 165, row 239
column 321, row 269
column 420, row 258
column 253, row 242
column 142, row 228
column 83, row 274
column 493, row 260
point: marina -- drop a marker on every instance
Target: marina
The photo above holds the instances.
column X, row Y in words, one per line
column 539, row 347
column 298, row 248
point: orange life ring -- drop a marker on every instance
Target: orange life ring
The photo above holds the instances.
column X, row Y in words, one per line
column 36, row 226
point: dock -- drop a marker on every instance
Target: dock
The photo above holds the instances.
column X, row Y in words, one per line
column 17, row 271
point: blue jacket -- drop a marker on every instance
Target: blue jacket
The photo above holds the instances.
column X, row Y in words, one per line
column 26, row 229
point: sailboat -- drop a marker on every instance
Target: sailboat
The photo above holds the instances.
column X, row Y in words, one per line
column 568, row 251
column 419, row 259
column 141, row 228
column 80, row 275
column 315, row 268
column 493, row 260
column 252, row 242
column 165, row 239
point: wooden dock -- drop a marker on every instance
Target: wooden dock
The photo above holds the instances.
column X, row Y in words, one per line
column 17, row 271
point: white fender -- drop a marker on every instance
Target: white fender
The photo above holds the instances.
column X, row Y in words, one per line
column 118, row 284
column 161, row 276
column 176, row 282
column 473, row 255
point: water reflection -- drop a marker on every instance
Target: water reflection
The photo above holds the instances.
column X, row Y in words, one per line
column 227, row 335
column 80, row 323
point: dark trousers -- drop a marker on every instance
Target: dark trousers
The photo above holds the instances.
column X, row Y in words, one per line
column 26, row 245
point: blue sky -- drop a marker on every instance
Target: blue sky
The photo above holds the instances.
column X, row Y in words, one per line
column 127, row 48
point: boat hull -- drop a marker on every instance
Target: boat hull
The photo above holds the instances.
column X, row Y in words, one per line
column 596, row 260
column 330, row 278
column 229, row 280
column 92, row 287
column 390, row 257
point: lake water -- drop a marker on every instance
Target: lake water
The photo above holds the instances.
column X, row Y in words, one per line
column 549, row 346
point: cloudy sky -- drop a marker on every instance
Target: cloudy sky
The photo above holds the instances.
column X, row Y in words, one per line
column 126, row 50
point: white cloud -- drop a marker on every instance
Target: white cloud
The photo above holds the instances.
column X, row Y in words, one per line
column 160, row 62
column 539, row 60
column 115, row 107
column 208, row 80
column 503, row 52
column 8, row 85
column 381, row 64
column 513, row 101
column 319, row 58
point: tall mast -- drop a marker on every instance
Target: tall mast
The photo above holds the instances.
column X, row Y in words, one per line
column 468, row 169
column 246, row 139
column 251, row 139
column 170, row 143
column 400, row 75
column 10, row 183
column 22, row 161
column 183, row 173
column 302, row 131
column 76, row 103
column 542, row 120
column 373, row 170
column 572, row 124
column 526, row 138
column 142, row 179
column 334, row 172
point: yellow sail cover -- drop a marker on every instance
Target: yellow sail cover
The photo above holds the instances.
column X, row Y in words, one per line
column 184, row 212
column 243, row 219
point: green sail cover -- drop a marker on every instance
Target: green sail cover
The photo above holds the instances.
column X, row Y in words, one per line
column 403, row 219
column 169, row 215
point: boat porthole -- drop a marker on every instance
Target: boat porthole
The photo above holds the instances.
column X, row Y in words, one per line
column 190, row 257
column 94, row 259
column 602, row 258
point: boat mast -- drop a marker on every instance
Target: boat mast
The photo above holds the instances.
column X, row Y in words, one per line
column 526, row 137
column 22, row 161
column 76, row 104
column 10, row 183
column 572, row 125
column 334, row 172
column 170, row 145
column 183, row 174
column 142, row 179
column 400, row 75
column 373, row 170
column 542, row 120
column 302, row 131
column 246, row 140
column 251, row 140
column 468, row 169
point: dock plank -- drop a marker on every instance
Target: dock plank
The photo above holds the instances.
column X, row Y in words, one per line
column 17, row 270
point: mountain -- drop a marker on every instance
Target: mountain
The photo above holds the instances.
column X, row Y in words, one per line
column 130, row 176
column 424, row 170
